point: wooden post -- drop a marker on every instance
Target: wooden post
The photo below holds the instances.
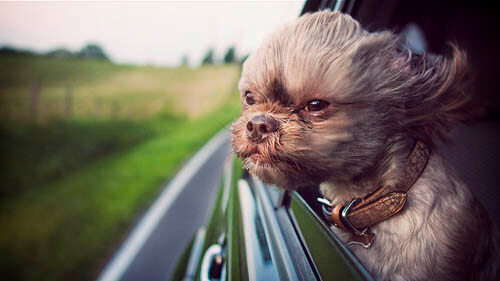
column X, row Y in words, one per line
column 69, row 101
column 34, row 100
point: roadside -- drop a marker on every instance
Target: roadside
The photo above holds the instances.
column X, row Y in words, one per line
column 153, row 247
column 60, row 224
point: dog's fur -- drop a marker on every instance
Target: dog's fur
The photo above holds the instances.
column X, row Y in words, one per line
column 381, row 97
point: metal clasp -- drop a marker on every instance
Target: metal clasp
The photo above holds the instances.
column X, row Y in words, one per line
column 347, row 223
column 326, row 207
column 353, row 229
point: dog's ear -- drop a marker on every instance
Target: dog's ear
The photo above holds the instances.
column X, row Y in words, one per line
column 435, row 93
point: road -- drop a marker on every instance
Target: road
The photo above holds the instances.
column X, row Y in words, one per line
column 153, row 247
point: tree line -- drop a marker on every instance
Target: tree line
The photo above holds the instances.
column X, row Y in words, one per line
column 90, row 51
column 95, row 52
column 210, row 59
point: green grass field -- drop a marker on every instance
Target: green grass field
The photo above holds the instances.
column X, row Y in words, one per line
column 106, row 91
column 73, row 183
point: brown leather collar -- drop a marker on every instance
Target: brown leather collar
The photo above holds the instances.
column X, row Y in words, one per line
column 361, row 213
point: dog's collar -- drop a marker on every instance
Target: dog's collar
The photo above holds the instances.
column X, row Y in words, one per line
column 361, row 213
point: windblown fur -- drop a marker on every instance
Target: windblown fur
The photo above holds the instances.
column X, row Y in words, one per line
column 381, row 98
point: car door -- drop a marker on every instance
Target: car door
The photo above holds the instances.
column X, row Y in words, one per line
column 259, row 232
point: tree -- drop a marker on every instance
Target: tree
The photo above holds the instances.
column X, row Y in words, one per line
column 209, row 57
column 12, row 51
column 229, row 57
column 184, row 60
column 60, row 53
column 93, row 52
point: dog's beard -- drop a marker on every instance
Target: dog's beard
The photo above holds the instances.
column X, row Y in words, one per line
column 284, row 158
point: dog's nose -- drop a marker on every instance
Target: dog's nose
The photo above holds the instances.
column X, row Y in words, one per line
column 260, row 125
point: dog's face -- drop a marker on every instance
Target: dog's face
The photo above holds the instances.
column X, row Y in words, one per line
column 321, row 98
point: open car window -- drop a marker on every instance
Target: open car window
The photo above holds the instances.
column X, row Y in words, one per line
column 431, row 27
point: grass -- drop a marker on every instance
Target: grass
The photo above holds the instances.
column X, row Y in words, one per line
column 60, row 148
column 89, row 176
column 18, row 71
column 57, row 231
column 101, row 90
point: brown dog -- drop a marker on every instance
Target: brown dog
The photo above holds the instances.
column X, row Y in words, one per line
column 326, row 102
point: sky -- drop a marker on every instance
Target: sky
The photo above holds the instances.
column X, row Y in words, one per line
column 157, row 33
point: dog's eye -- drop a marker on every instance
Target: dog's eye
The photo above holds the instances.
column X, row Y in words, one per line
column 316, row 105
column 249, row 98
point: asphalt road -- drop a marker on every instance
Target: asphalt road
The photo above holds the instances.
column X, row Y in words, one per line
column 156, row 257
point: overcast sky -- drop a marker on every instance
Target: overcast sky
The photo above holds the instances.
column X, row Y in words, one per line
column 144, row 33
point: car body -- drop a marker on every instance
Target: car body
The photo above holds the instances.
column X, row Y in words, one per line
column 259, row 232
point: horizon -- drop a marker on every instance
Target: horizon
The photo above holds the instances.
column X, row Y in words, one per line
column 151, row 33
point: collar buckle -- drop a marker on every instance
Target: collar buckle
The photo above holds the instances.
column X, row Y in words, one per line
column 347, row 223
column 358, row 237
column 327, row 209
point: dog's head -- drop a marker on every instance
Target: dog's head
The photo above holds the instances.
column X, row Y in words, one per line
column 322, row 98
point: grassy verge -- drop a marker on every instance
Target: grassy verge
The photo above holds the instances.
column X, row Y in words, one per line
column 34, row 155
column 89, row 150
column 60, row 231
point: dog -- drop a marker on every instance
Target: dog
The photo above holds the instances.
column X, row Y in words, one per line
column 328, row 103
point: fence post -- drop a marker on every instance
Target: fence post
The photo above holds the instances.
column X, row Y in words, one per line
column 69, row 101
column 34, row 100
